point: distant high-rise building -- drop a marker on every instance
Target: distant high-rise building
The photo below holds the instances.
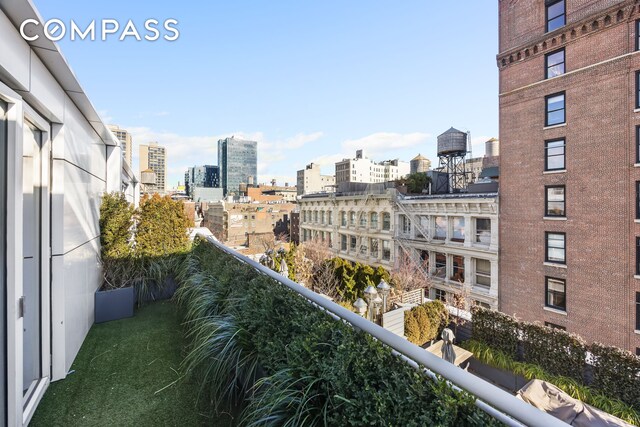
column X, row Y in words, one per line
column 310, row 180
column 207, row 176
column 125, row 139
column 363, row 169
column 238, row 163
column 154, row 157
column 419, row 164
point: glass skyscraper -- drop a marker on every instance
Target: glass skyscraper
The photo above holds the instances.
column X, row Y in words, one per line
column 238, row 162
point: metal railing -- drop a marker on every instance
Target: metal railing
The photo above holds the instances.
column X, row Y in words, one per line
column 494, row 401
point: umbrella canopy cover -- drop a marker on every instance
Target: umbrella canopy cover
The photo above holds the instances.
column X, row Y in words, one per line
column 448, row 352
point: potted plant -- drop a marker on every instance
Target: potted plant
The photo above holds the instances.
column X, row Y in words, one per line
column 115, row 298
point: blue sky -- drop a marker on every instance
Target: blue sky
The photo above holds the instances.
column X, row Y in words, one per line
column 310, row 81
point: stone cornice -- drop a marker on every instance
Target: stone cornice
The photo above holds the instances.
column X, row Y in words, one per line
column 619, row 14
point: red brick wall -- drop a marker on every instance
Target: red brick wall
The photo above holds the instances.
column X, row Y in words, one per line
column 600, row 177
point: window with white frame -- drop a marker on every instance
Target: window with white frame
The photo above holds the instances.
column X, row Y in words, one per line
column 343, row 242
column 440, row 232
column 483, row 272
column 458, row 229
column 440, row 269
column 352, row 218
column 386, row 221
column 373, row 222
column 343, row 218
column 373, row 247
column 483, row 230
column 386, row 250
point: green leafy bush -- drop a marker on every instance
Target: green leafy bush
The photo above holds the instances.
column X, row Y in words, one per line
column 162, row 227
column 559, row 352
column 258, row 343
column 425, row 322
column 615, row 372
column 496, row 329
column 589, row 395
column 115, row 226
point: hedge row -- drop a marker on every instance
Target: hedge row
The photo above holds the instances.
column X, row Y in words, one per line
column 613, row 372
column 262, row 347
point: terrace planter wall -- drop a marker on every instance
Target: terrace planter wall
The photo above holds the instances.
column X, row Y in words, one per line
column 157, row 292
column 114, row 304
column 503, row 379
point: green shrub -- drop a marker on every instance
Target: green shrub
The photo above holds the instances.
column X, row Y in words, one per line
column 411, row 327
column 162, row 227
column 115, row 226
column 501, row 360
column 253, row 340
column 615, row 372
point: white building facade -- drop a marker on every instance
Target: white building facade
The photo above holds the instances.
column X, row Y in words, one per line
column 455, row 239
column 310, row 180
column 358, row 227
column 57, row 159
column 363, row 169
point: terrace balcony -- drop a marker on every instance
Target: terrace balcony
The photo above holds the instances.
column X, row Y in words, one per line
column 134, row 372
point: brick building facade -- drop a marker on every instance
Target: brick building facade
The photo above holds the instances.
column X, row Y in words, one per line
column 569, row 165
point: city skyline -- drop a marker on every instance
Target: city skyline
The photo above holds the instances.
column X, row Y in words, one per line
column 380, row 80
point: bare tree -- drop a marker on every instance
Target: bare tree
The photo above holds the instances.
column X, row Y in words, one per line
column 322, row 278
column 409, row 275
column 460, row 300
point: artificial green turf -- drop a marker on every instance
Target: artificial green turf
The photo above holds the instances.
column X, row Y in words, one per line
column 127, row 373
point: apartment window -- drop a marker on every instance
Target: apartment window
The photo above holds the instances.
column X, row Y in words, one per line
column 554, row 326
column 483, row 272
column 343, row 218
column 637, row 89
column 554, row 64
column 458, row 229
column 483, row 230
column 637, row 144
column 315, row 216
column 386, row 221
column 440, row 295
column 423, row 232
column 441, row 228
column 555, row 201
column 363, row 219
column 637, row 311
column 373, row 247
column 441, row 265
column 556, row 293
column 555, row 251
column 352, row 218
column 637, row 34
column 322, row 218
column 637, row 256
column 374, row 221
column 457, row 272
column 405, row 223
column 555, row 109
column 386, row 250
column 637, row 351
column 330, row 217
column 637, row 199
column 556, row 14
column 343, row 243
column 353, row 243
column 554, row 155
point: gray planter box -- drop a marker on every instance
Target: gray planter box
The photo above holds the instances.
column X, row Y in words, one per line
column 114, row 304
column 503, row 379
column 157, row 292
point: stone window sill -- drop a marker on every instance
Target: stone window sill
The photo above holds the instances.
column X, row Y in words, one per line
column 553, row 264
column 555, row 310
column 555, row 126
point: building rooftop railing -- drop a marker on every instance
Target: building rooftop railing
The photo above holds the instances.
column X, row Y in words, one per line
column 496, row 402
